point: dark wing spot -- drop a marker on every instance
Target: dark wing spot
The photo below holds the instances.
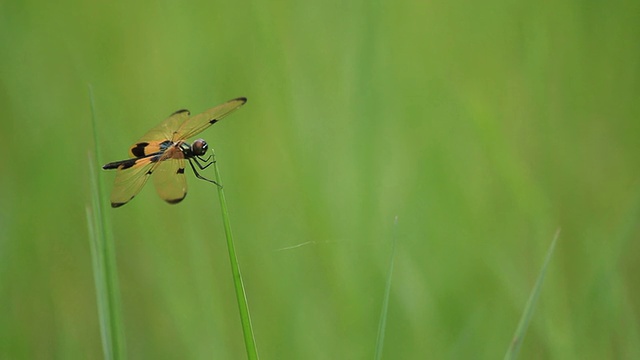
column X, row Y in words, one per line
column 213, row 121
column 180, row 171
column 121, row 165
column 117, row 164
column 115, row 205
column 149, row 172
column 175, row 201
column 138, row 149
column 127, row 164
column 181, row 111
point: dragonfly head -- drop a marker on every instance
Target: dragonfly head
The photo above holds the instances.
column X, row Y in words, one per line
column 199, row 147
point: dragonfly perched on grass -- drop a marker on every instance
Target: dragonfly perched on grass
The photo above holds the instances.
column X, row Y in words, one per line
column 162, row 152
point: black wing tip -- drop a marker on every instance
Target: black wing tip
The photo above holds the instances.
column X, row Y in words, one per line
column 118, row 204
column 242, row 98
column 175, row 201
column 180, row 112
column 120, row 165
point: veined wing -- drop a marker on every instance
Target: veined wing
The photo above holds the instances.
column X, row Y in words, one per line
column 152, row 147
column 197, row 123
column 169, row 179
column 161, row 135
column 131, row 176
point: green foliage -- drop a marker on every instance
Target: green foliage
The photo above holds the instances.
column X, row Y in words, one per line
column 483, row 128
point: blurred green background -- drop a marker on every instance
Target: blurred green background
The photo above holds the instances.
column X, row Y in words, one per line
column 482, row 127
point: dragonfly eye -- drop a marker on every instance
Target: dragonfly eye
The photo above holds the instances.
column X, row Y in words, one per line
column 199, row 147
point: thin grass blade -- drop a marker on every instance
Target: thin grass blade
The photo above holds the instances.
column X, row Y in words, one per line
column 518, row 337
column 103, row 259
column 241, row 297
column 382, row 325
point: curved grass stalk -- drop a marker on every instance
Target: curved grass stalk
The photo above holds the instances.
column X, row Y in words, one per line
column 241, row 297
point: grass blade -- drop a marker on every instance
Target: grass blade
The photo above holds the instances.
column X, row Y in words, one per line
column 385, row 302
column 518, row 336
column 98, row 275
column 249, row 341
column 103, row 259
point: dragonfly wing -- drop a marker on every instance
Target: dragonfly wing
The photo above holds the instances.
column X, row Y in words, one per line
column 169, row 179
column 159, row 138
column 130, row 178
column 198, row 123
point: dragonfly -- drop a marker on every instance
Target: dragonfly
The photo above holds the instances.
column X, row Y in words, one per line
column 162, row 152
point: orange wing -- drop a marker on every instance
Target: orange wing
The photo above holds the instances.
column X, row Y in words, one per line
column 169, row 179
column 179, row 126
column 168, row 173
column 160, row 137
column 198, row 123
column 131, row 176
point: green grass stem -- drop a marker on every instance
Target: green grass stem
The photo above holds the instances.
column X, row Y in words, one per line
column 382, row 325
column 518, row 337
column 241, row 297
column 103, row 259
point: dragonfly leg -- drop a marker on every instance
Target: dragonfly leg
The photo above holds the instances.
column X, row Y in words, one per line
column 206, row 161
column 198, row 174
